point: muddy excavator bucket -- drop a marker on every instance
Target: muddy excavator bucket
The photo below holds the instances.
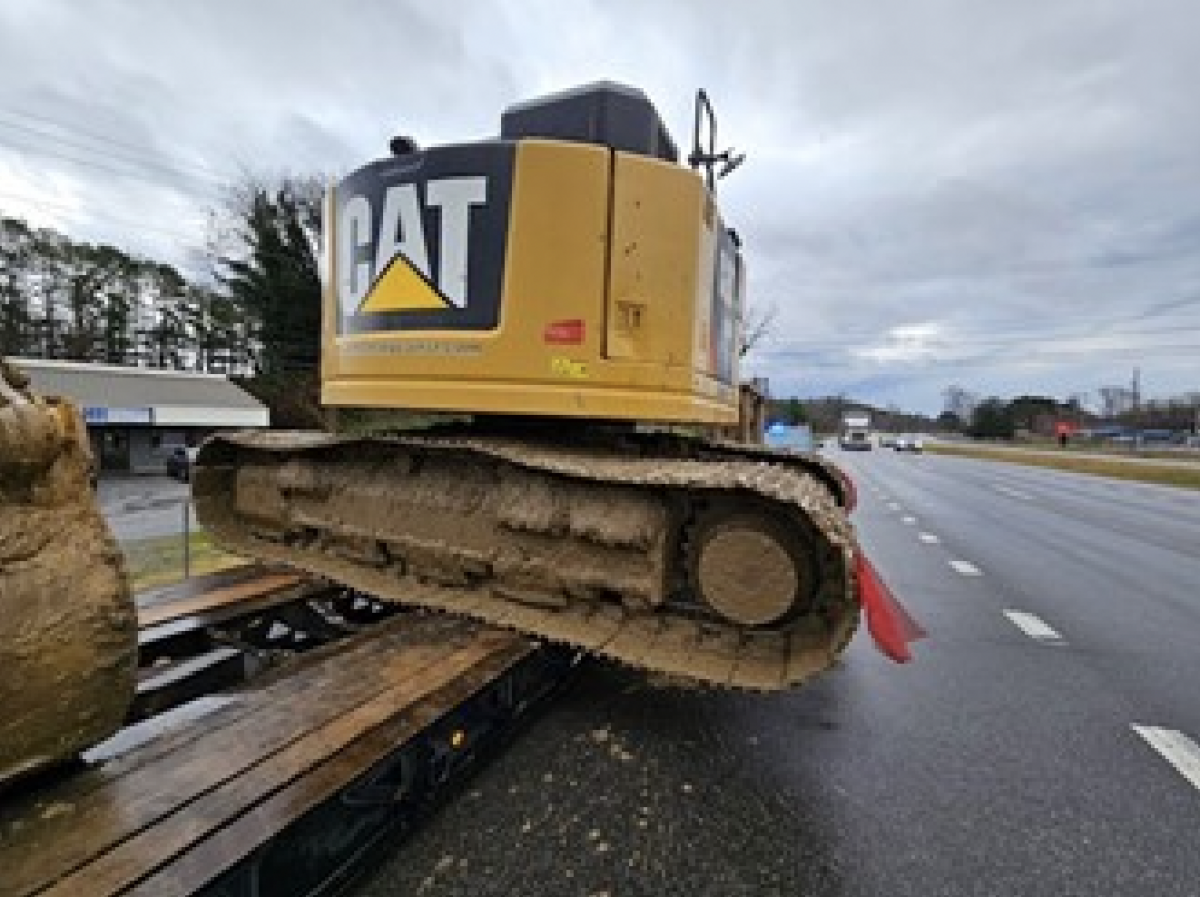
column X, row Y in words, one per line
column 68, row 626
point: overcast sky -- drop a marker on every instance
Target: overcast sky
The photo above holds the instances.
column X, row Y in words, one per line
column 1000, row 195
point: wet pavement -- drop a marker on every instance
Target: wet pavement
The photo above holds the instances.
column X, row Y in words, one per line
column 622, row 788
column 144, row 507
column 997, row 763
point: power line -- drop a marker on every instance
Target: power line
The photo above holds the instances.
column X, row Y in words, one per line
column 952, row 343
column 99, row 162
column 1160, row 311
column 71, row 132
column 132, row 155
column 854, row 283
column 106, row 216
column 200, row 246
column 1132, row 353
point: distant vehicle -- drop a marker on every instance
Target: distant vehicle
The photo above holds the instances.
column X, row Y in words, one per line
column 797, row 438
column 908, row 444
column 1157, row 435
column 887, row 440
column 179, row 462
column 855, row 433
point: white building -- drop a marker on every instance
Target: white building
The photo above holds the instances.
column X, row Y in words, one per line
column 137, row 416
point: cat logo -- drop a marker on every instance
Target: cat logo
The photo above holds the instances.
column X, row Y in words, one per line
column 401, row 280
column 419, row 251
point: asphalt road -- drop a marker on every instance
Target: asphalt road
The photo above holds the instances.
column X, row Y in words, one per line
column 144, row 507
column 1063, row 612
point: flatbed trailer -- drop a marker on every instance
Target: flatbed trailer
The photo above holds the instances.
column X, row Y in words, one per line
column 283, row 785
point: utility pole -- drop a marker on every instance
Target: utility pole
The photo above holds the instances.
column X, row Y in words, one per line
column 1137, row 405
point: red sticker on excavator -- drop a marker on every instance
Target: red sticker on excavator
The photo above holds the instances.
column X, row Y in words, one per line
column 564, row 333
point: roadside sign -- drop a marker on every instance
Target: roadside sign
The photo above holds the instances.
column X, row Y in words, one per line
column 100, row 414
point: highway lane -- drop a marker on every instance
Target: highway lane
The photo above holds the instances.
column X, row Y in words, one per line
column 996, row 763
column 1113, row 567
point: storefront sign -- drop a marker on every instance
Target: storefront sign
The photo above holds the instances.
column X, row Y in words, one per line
column 99, row 414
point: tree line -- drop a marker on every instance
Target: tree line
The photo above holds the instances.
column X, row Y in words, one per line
column 995, row 417
column 256, row 318
column 64, row 299
column 824, row 414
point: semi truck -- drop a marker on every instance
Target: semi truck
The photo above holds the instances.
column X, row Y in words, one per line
column 855, row 433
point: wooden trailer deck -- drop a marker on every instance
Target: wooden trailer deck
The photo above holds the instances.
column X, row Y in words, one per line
column 279, row 787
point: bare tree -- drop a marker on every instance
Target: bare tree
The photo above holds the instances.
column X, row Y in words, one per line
column 1079, row 401
column 959, row 402
column 1115, row 400
column 758, row 323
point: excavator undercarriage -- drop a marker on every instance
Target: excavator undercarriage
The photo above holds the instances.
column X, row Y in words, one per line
column 725, row 563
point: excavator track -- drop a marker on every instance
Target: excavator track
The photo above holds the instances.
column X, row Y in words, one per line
column 727, row 564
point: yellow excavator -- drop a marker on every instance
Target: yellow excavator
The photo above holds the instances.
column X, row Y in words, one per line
column 571, row 296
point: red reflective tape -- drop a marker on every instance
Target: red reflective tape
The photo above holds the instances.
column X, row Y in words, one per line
column 851, row 500
column 890, row 625
column 564, row 333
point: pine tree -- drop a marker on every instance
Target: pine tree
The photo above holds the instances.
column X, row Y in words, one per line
column 15, row 258
column 277, row 285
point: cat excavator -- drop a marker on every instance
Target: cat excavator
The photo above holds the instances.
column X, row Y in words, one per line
column 569, row 296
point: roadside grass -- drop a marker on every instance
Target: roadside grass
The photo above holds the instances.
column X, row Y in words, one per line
column 1117, row 451
column 1160, row 474
column 158, row 561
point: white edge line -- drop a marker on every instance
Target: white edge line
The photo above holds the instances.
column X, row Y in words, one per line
column 1011, row 492
column 1034, row 627
column 966, row 568
column 1176, row 748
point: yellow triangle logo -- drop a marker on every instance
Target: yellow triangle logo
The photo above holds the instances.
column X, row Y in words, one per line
column 401, row 288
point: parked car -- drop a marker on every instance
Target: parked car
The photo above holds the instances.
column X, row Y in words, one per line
column 179, row 462
column 908, row 444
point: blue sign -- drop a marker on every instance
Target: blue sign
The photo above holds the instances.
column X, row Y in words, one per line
column 797, row 438
column 101, row 414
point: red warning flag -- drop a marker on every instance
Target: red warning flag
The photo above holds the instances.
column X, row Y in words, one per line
column 888, row 622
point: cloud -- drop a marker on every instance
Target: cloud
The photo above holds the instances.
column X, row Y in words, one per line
column 996, row 173
column 908, row 343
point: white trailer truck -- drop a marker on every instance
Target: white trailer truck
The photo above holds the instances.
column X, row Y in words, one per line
column 855, row 433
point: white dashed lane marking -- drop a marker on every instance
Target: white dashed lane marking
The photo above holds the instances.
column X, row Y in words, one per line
column 892, row 506
column 1176, row 748
column 966, row 568
column 1034, row 627
column 1011, row 492
column 928, row 538
column 910, row 520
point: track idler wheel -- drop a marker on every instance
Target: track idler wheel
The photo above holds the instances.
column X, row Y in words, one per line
column 751, row 568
